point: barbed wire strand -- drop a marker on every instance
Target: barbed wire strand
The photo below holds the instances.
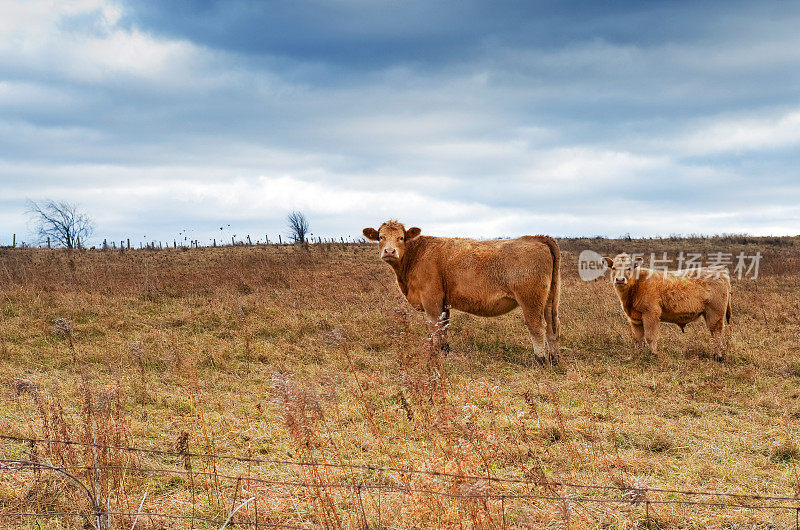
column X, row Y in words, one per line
column 370, row 467
column 152, row 514
column 410, row 490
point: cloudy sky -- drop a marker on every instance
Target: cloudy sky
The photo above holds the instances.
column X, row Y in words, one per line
column 165, row 119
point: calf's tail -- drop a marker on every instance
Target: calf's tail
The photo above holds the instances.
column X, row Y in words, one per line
column 728, row 311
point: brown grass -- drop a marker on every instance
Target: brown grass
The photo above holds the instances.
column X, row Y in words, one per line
column 296, row 354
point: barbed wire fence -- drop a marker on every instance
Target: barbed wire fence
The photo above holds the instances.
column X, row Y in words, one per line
column 469, row 488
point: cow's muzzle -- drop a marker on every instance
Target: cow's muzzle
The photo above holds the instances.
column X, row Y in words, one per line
column 620, row 281
column 389, row 254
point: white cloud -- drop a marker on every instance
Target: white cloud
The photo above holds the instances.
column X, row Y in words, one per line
column 34, row 38
column 742, row 133
column 592, row 165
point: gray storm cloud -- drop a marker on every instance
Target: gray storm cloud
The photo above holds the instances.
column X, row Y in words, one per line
column 158, row 123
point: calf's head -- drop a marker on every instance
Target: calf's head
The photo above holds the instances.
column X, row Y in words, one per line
column 392, row 238
column 624, row 269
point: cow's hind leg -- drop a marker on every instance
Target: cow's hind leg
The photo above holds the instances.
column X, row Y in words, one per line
column 550, row 317
column 533, row 313
column 716, row 325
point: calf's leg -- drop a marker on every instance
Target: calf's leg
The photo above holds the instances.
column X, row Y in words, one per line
column 650, row 324
column 637, row 330
column 716, row 325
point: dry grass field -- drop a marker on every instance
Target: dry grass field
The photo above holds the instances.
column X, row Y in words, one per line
column 284, row 354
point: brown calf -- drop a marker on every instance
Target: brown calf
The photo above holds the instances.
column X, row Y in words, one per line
column 649, row 297
column 484, row 278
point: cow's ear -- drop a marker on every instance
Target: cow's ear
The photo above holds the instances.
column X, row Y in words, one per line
column 609, row 261
column 371, row 234
column 637, row 261
column 413, row 232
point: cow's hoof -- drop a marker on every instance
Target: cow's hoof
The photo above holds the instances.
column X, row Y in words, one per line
column 548, row 360
column 552, row 355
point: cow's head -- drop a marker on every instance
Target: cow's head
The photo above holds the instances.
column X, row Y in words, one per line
column 392, row 238
column 624, row 269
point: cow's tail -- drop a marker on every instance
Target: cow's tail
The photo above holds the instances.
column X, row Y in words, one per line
column 555, row 280
column 728, row 313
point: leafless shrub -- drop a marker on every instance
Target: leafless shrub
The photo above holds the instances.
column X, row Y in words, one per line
column 637, row 493
column 138, row 354
column 333, row 337
column 301, row 408
column 107, row 399
column 62, row 326
column 24, row 386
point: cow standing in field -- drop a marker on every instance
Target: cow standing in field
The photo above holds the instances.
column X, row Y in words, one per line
column 649, row 297
column 484, row 278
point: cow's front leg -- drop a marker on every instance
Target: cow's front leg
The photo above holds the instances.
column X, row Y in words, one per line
column 650, row 324
column 439, row 315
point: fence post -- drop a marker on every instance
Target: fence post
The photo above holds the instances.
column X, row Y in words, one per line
column 129, row 243
column 233, row 241
column 48, row 242
column 14, row 241
column 279, row 240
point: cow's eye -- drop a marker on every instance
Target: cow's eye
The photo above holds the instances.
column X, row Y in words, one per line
column 401, row 238
column 382, row 238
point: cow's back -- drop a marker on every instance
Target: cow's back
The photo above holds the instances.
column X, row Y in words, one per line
column 486, row 277
column 502, row 263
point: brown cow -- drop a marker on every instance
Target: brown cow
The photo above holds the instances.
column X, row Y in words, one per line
column 679, row 297
column 484, row 278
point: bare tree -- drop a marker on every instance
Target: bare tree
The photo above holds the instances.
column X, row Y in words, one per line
column 62, row 222
column 298, row 226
